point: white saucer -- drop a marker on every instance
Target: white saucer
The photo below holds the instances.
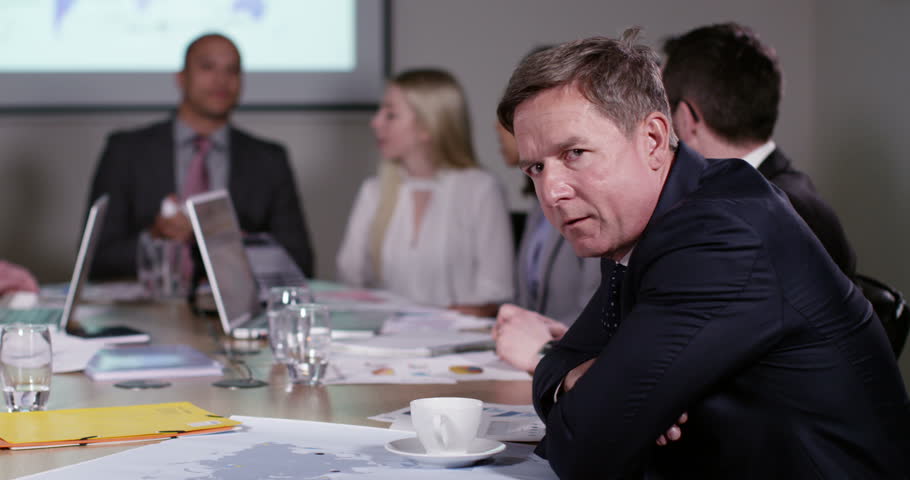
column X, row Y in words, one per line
column 480, row 449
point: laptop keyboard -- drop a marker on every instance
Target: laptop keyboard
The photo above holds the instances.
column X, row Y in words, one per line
column 49, row 316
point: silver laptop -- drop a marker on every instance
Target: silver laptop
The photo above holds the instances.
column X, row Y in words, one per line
column 234, row 286
column 62, row 317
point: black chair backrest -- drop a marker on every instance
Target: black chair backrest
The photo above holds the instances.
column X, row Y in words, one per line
column 891, row 309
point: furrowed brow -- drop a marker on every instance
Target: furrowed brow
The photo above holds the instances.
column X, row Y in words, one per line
column 568, row 144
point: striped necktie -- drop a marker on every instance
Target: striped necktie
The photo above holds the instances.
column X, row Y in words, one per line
column 197, row 181
column 197, row 177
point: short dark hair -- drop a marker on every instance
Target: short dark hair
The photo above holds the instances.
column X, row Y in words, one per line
column 733, row 78
column 618, row 76
column 201, row 38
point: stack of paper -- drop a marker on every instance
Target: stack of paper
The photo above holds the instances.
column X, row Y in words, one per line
column 109, row 424
column 417, row 343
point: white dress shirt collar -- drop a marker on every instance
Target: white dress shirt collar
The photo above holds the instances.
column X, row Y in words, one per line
column 757, row 156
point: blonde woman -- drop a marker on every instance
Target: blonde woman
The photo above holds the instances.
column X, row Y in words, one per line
column 431, row 226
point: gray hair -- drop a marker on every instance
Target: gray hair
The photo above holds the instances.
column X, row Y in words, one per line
column 620, row 77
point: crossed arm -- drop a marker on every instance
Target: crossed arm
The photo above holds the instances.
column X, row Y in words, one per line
column 684, row 333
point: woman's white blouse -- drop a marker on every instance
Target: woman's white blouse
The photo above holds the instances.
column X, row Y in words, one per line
column 463, row 254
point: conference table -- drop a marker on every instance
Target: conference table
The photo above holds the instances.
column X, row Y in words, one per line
column 172, row 322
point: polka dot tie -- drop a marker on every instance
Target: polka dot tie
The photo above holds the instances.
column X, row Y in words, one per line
column 610, row 312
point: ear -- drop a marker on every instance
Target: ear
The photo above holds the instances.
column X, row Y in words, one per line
column 180, row 81
column 656, row 138
column 687, row 120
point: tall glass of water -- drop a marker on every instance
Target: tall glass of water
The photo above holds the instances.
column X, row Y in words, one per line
column 279, row 299
column 307, row 331
column 25, row 366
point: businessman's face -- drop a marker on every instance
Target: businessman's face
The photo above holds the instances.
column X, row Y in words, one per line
column 210, row 81
column 596, row 184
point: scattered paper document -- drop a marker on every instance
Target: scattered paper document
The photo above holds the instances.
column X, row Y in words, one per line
column 439, row 322
column 72, row 354
column 503, row 422
column 350, row 369
column 276, row 448
column 416, row 343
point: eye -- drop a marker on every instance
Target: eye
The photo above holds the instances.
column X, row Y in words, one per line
column 533, row 169
column 573, row 153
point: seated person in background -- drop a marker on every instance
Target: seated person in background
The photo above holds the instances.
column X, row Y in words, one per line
column 722, row 302
column 195, row 151
column 724, row 88
column 432, row 226
column 553, row 285
column 14, row 278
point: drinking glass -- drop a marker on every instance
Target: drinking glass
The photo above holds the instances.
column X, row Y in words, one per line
column 279, row 299
column 306, row 330
column 25, row 366
column 159, row 267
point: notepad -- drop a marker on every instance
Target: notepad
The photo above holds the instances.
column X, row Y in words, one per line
column 150, row 361
column 107, row 424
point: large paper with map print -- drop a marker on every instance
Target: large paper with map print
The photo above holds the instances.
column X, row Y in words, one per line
column 293, row 449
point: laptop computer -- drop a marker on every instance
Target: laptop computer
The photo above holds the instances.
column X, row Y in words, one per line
column 62, row 317
column 236, row 288
column 227, row 266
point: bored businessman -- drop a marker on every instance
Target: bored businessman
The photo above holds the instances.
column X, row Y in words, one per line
column 722, row 304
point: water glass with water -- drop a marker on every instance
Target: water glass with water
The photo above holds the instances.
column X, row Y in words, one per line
column 307, row 331
column 25, row 366
column 279, row 299
column 160, row 266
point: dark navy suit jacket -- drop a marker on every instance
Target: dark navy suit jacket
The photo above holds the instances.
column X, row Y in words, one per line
column 821, row 218
column 137, row 171
column 731, row 311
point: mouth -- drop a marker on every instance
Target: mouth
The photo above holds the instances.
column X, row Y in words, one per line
column 574, row 221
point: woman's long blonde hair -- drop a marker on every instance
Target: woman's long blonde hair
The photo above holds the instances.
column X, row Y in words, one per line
column 441, row 109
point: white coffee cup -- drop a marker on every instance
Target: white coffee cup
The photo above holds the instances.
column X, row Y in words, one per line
column 446, row 425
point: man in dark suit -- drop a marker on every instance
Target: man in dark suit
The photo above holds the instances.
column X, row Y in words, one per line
column 724, row 88
column 196, row 150
column 722, row 303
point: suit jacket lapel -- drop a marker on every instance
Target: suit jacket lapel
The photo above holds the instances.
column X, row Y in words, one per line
column 237, row 172
column 158, row 163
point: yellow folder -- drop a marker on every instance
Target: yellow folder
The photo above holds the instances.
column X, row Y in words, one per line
column 107, row 424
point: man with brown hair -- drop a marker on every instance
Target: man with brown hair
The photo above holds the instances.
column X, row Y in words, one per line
column 721, row 302
column 724, row 88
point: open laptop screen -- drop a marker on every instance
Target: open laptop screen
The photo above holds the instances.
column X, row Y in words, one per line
column 84, row 258
column 226, row 264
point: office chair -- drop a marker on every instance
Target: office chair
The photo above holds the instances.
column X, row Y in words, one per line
column 891, row 309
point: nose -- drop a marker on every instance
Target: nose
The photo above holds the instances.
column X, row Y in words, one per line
column 553, row 186
column 374, row 122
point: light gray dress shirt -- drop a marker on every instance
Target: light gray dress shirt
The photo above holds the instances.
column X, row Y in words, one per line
column 217, row 160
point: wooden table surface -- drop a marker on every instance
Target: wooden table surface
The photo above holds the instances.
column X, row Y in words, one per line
column 172, row 322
